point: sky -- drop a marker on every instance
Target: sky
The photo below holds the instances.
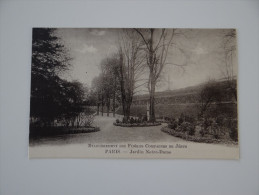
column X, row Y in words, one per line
column 200, row 51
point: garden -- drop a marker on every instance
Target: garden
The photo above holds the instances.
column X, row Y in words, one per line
column 218, row 129
column 140, row 121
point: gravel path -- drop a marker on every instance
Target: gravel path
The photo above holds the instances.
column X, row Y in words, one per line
column 76, row 145
column 110, row 134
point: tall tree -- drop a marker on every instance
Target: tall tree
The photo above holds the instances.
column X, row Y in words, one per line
column 97, row 88
column 229, row 46
column 49, row 60
column 49, row 55
column 156, row 46
column 131, row 67
column 110, row 69
column 72, row 100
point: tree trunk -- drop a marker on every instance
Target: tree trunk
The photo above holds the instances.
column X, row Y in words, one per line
column 114, row 97
column 98, row 107
column 102, row 105
column 122, row 85
column 127, row 110
column 108, row 106
column 234, row 92
column 128, row 103
column 152, row 100
column 98, row 104
column 152, row 79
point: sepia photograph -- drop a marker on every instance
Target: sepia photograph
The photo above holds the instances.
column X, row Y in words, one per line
column 134, row 93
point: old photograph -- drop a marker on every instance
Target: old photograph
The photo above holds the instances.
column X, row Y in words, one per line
column 134, row 93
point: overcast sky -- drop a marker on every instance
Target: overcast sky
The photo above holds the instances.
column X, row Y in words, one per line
column 202, row 52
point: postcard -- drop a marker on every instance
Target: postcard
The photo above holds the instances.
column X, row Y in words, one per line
column 134, row 93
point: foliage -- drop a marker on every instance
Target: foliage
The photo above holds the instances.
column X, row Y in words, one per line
column 173, row 124
column 209, row 94
column 187, row 127
column 52, row 97
column 233, row 133
column 132, row 120
column 181, row 120
column 124, row 120
column 229, row 46
column 88, row 121
column 189, row 118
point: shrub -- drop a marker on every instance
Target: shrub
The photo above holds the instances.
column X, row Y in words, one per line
column 233, row 129
column 144, row 118
column 191, row 130
column 172, row 119
column 189, row 119
column 180, row 121
column 88, row 121
column 124, row 120
column 202, row 132
column 167, row 119
column 220, row 120
column 132, row 120
column 207, row 123
column 117, row 121
column 233, row 134
column 185, row 126
column 173, row 125
column 216, row 129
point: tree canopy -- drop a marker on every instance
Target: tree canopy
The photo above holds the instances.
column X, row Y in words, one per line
column 51, row 96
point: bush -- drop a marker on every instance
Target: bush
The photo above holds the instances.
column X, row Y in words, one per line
column 167, row 119
column 88, row 120
column 132, row 120
column 173, row 125
column 233, row 134
column 184, row 126
column 207, row 123
column 124, row 120
column 180, row 121
column 215, row 127
column 189, row 119
column 191, row 130
column 172, row 119
column 144, row 118
column 202, row 132
column 117, row 121
column 233, row 130
column 220, row 120
column 187, row 127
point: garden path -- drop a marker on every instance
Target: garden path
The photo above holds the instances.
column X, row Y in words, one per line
column 111, row 134
column 75, row 145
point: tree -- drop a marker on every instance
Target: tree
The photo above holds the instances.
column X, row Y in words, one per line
column 52, row 97
column 229, row 48
column 156, row 46
column 210, row 93
column 98, row 91
column 110, row 72
column 49, row 55
column 108, row 81
column 73, row 97
column 130, row 62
